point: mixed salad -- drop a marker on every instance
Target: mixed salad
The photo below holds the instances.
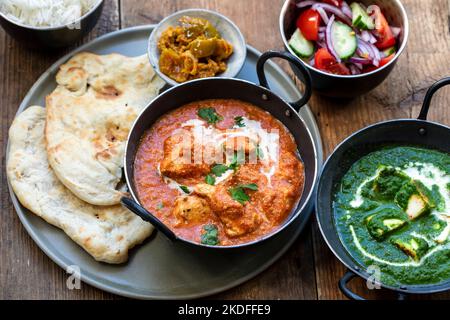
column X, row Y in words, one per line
column 344, row 39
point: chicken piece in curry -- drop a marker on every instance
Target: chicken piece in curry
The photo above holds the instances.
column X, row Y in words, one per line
column 192, row 50
column 219, row 172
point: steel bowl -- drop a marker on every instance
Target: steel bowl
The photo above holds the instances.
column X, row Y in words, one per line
column 228, row 30
column 229, row 88
column 338, row 86
column 52, row 37
column 415, row 132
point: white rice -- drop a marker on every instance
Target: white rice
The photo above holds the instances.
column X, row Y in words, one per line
column 46, row 13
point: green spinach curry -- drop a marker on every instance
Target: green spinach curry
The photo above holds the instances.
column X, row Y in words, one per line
column 392, row 210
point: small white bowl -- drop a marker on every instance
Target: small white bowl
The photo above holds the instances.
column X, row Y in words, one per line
column 227, row 29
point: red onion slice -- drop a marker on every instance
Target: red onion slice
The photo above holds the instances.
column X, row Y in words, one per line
column 396, row 31
column 364, row 50
column 360, row 61
column 322, row 43
column 333, row 10
column 375, row 53
column 359, row 66
column 365, row 36
column 323, row 14
column 304, row 4
column 347, row 10
column 354, row 70
column 368, row 37
column 368, row 51
column 372, row 38
column 328, row 39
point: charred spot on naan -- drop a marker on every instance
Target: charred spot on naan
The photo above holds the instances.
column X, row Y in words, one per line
column 108, row 92
column 74, row 79
column 107, row 142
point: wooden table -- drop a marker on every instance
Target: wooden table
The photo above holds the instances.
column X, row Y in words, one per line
column 309, row 270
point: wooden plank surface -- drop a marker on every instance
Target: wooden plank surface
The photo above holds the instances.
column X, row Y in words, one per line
column 309, row 270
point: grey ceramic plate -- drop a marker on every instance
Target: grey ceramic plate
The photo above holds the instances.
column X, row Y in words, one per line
column 159, row 269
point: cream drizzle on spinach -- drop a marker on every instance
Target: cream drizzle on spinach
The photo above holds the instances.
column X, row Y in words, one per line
column 395, row 223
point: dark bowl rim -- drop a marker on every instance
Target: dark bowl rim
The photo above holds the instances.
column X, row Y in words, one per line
column 19, row 24
column 295, row 213
column 358, row 268
column 406, row 30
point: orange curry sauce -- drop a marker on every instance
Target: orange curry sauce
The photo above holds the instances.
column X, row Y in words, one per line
column 237, row 223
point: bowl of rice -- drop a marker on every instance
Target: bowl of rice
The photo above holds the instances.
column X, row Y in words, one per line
column 49, row 23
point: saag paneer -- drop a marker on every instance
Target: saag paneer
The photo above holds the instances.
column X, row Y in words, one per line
column 392, row 210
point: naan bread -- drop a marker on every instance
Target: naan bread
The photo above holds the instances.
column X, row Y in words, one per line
column 107, row 233
column 89, row 116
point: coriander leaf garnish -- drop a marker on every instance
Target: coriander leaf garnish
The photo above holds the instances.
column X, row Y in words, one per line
column 210, row 180
column 239, row 121
column 219, row 169
column 185, row 189
column 210, row 235
column 238, row 193
column 251, row 186
column 160, row 206
column 209, row 115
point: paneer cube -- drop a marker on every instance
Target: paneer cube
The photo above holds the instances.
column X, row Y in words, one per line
column 432, row 197
column 410, row 199
column 384, row 221
column 412, row 246
column 416, row 207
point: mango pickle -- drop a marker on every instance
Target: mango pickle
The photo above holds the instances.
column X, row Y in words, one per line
column 192, row 50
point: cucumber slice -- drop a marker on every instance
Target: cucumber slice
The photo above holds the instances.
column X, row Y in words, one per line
column 389, row 51
column 361, row 19
column 344, row 40
column 301, row 46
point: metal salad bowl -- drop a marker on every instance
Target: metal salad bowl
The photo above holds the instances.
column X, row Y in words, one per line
column 339, row 86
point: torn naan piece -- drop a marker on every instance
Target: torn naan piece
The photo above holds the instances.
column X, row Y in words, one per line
column 89, row 116
column 107, row 233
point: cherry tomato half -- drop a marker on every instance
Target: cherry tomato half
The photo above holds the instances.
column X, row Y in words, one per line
column 326, row 62
column 383, row 62
column 386, row 60
column 308, row 22
column 386, row 37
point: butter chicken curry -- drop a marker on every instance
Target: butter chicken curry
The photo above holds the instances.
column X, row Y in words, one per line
column 219, row 172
